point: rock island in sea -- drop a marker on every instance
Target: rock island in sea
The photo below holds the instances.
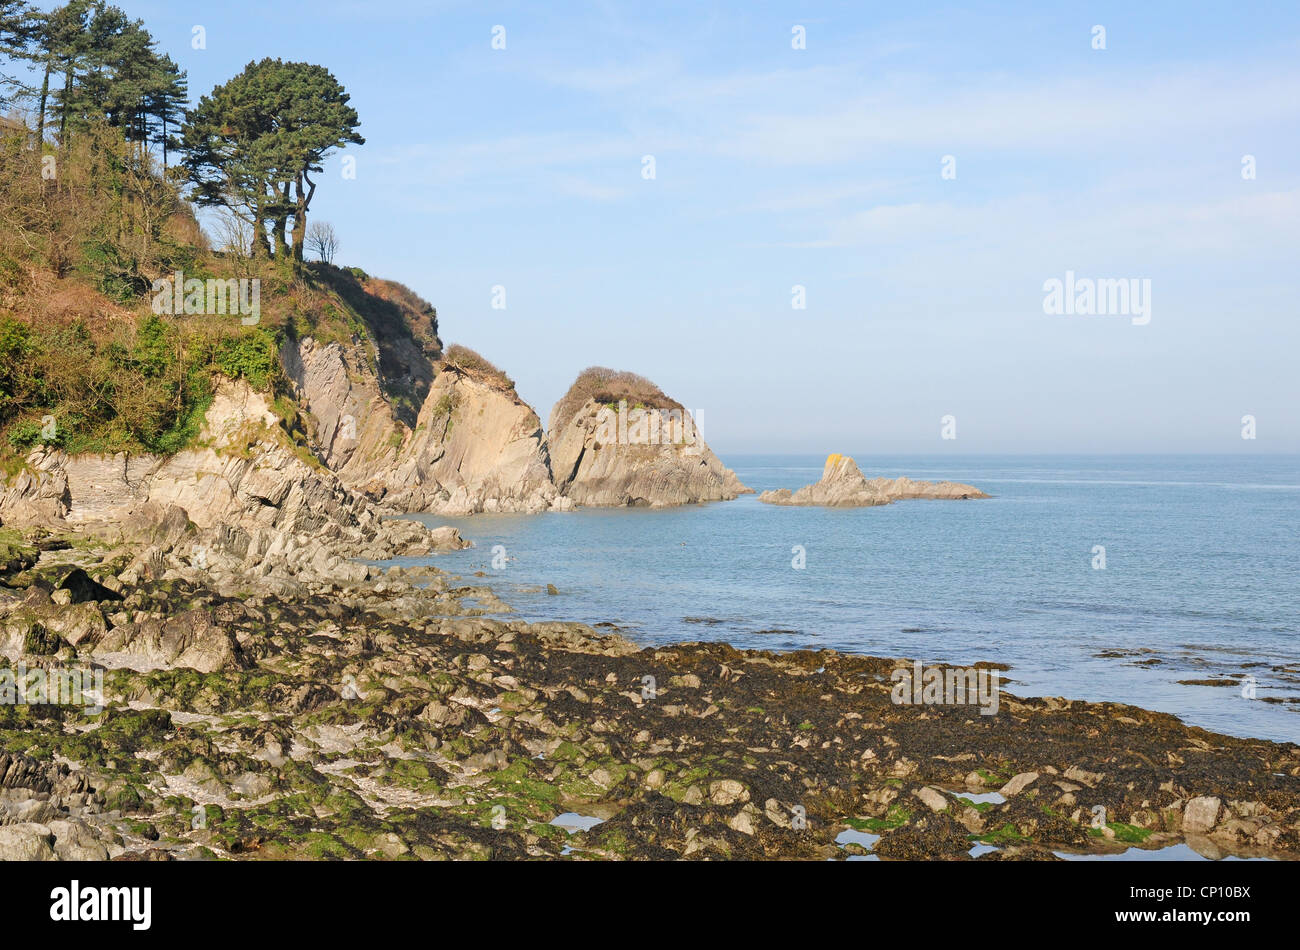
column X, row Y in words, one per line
column 843, row 485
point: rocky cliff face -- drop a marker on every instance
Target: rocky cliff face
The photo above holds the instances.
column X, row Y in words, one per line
column 357, row 432
column 416, row 429
column 843, row 485
column 616, row 440
column 474, row 446
column 244, row 501
column 477, row 447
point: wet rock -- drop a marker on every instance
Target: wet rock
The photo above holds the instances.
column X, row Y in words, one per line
column 1201, row 814
column 933, row 799
column 377, row 717
column 1019, row 783
column 727, row 792
column 932, row 836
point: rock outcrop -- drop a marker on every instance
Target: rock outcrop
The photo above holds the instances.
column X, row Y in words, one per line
column 477, row 447
column 843, row 485
column 616, row 440
column 474, row 446
column 246, row 499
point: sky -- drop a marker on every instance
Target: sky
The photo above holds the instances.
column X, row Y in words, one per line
column 920, row 170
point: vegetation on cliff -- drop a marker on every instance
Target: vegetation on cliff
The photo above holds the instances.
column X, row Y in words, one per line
column 93, row 358
column 608, row 387
column 468, row 361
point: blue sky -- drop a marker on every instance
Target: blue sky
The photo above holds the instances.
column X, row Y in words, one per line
column 821, row 167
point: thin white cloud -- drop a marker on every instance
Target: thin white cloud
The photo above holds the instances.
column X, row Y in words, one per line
column 1010, row 114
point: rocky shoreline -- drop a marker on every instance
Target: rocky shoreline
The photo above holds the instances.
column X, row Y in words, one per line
column 380, row 713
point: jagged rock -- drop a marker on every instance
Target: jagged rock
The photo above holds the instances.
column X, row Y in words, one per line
column 190, row 639
column 35, row 496
column 616, row 440
column 76, row 841
column 475, row 445
column 245, row 501
column 843, row 485
column 37, row 625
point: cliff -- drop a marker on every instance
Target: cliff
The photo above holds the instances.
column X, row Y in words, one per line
column 243, row 500
column 474, row 445
column 843, row 485
column 616, row 439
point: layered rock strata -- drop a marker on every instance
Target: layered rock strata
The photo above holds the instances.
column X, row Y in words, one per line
column 616, row 440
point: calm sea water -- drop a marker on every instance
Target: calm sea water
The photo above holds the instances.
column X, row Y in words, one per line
column 1202, row 573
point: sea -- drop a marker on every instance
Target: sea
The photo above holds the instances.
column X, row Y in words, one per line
column 1166, row 582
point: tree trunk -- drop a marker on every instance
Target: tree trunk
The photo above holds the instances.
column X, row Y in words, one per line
column 40, row 115
column 63, row 121
column 260, row 248
column 300, row 213
column 261, row 245
column 280, row 242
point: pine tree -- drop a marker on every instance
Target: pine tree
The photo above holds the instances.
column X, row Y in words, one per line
column 253, row 144
column 166, row 102
column 18, row 30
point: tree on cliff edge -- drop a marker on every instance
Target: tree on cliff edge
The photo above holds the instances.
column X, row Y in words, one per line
column 253, row 144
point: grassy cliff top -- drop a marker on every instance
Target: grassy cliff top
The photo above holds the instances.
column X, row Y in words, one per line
column 609, row 387
column 468, row 361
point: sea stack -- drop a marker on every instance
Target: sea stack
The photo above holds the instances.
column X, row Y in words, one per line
column 476, row 446
column 617, row 440
column 843, row 485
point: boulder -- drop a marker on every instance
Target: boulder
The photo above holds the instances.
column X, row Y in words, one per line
column 190, row 639
column 26, row 841
column 85, row 588
column 1019, row 783
column 1201, row 814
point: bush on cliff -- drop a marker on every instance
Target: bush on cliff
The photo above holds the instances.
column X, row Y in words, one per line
column 609, row 387
column 463, row 358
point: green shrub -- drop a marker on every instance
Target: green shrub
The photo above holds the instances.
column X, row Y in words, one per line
column 253, row 355
column 25, row 434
